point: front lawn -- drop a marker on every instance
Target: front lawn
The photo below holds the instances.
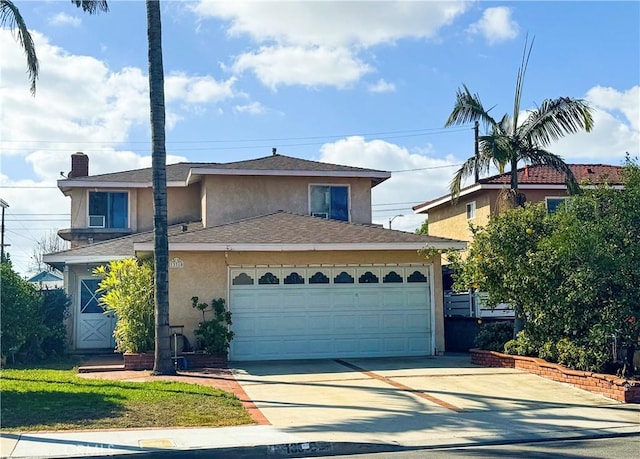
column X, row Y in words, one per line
column 50, row 399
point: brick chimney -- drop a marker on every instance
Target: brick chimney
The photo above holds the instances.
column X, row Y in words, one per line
column 79, row 165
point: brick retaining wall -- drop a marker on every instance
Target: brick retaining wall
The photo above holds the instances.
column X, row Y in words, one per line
column 194, row 360
column 623, row 390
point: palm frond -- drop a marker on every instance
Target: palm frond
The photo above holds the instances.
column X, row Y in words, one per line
column 11, row 18
column 92, row 6
column 466, row 170
column 544, row 157
column 520, row 80
column 556, row 118
column 468, row 108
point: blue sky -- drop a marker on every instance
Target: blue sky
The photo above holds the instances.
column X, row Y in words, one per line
column 359, row 83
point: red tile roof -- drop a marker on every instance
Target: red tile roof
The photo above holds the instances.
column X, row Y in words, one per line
column 592, row 174
column 586, row 174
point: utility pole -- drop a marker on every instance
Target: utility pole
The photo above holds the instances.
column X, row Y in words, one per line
column 4, row 205
column 476, row 148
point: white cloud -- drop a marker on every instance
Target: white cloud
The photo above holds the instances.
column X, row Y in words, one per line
column 197, row 90
column 80, row 100
column 382, row 86
column 63, row 19
column 336, row 24
column 612, row 135
column 496, row 25
column 320, row 34
column 306, row 66
column 253, row 108
column 422, row 178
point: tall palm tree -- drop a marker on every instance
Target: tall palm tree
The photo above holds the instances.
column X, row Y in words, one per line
column 510, row 140
column 11, row 18
column 162, row 360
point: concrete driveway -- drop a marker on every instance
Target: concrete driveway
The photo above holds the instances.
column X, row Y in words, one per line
column 424, row 401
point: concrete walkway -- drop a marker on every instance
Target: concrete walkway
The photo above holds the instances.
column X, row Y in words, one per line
column 361, row 405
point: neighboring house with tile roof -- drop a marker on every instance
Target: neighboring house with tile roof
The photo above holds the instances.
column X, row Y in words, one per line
column 289, row 243
column 477, row 202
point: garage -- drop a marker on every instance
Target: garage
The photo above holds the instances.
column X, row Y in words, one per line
column 330, row 311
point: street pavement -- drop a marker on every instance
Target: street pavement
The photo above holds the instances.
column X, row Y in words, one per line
column 347, row 406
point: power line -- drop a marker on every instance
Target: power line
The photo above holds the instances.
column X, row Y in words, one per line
column 422, row 131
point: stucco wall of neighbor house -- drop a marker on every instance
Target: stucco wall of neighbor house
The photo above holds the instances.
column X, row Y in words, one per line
column 183, row 204
column 231, row 198
column 540, row 195
column 450, row 220
column 205, row 275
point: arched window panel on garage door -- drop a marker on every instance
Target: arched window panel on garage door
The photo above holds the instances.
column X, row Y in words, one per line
column 242, row 278
column 392, row 277
column 318, row 277
column 415, row 276
column 368, row 275
column 344, row 276
column 269, row 278
column 294, row 278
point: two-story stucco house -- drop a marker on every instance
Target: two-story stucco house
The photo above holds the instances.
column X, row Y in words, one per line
column 476, row 203
column 289, row 243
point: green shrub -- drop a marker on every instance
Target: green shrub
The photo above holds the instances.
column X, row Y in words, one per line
column 55, row 310
column 523, row 344
column 20, row 309
column 581, row 357
column 213, row 335
column 493, row 335
column 128, row 291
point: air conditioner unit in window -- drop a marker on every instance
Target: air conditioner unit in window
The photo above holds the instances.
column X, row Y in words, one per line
column 320, row 214
column 96, row 221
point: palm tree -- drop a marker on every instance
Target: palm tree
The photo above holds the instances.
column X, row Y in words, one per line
column 11, row 18
column 163, row 364
column 510, row 141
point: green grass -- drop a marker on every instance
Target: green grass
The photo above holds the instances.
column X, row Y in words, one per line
column 57, row 399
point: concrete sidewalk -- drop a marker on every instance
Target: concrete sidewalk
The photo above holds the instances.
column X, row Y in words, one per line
column 329, row 407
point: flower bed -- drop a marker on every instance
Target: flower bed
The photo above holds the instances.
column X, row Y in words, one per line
column 610, row 386
column 194, row 360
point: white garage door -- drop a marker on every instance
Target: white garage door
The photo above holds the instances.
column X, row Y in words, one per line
column 330, row 311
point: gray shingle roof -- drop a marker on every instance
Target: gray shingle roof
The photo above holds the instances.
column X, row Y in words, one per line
column 288, row 228
column 179, row 172
column 277, row 228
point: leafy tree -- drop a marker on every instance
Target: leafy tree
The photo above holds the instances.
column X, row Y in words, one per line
column 511, row 140
column 11, row 18
column 128, row 291
column 573, row 274
column 20, row 311
column 162, row 360
column 48, row 243
column 498, row 260
column 424, row 228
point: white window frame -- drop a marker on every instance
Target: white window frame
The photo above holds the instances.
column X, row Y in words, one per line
column 471, row 210
column 98, row 190
column 348, row 186
column 547, row 198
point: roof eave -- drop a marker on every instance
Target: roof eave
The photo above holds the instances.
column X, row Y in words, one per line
column 308, row 247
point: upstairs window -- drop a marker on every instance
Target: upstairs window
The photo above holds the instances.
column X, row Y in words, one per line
column 108, row 209
column 328, row 201
column 471, row 210
column 553, row 203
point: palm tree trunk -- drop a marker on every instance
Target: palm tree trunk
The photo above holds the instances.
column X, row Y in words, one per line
column 162, row 359
column 514, row 175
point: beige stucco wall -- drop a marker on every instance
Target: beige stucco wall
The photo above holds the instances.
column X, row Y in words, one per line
column 205, row 275
column 450, row 220
column 183, row 204
column 230, row 198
